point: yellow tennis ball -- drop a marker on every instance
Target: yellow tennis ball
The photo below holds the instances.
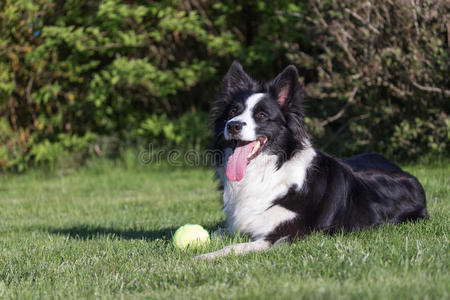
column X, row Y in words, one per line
column 191, row 235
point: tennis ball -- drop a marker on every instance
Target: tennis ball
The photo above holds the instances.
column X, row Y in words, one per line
column 191, row 235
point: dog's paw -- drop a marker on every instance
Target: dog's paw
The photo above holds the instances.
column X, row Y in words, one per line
column 206, row 256
column 216, row 254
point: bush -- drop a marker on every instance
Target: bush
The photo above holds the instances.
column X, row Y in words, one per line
column 76, row 68
column 76, row 76
column 378, row 73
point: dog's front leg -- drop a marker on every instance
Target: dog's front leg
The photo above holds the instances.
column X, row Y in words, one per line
column 242, row 248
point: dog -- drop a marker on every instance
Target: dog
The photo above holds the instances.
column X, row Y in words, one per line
column 277, row 187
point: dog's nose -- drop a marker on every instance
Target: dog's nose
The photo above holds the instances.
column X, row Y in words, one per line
column 235, row 127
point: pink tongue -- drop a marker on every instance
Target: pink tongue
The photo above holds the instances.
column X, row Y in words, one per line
column 237, row 162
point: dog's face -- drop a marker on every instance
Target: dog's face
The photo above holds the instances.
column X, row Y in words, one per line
column 251, row 118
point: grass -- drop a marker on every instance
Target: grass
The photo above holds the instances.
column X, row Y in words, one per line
column 104, row 232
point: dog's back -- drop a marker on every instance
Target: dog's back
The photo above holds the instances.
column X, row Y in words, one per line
column 369, row 161
column 393, row 186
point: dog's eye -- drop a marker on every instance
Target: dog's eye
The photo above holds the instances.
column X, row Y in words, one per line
column 261, row 115
column 233, row 112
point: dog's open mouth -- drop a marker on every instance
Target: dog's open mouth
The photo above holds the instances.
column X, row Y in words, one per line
column 243, row 153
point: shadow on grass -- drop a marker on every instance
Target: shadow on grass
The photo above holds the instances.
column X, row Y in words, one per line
column 87, row 232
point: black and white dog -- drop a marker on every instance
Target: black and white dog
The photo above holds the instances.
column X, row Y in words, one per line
column 278, row 187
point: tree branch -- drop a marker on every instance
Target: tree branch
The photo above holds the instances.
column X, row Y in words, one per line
column 28, row 95
column 356, row 16
column 342, row 111
column 430, row 89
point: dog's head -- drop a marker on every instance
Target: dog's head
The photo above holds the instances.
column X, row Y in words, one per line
column 252, row 118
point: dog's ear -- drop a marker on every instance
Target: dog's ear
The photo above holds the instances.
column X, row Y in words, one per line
column 237, row 80
column 285, row 88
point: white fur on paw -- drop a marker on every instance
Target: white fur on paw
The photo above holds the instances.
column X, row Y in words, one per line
column 206, row 256
column 237, row 249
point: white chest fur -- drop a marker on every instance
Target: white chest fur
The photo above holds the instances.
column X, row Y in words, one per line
column 248, row 203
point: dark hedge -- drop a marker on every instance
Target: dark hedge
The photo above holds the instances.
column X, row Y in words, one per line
column 90, row 77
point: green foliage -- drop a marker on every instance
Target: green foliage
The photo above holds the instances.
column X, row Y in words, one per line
column 48, row 153
column 376, row 73
column 414, row 135
column 14, row 147
column 190, row 131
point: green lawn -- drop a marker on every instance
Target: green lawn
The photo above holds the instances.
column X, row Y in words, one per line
column 104, row 232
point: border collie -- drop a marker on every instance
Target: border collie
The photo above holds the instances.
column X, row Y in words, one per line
column 278, row 187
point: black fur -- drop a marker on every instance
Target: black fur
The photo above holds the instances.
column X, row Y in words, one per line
column 338, row 194
column 351, row 194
